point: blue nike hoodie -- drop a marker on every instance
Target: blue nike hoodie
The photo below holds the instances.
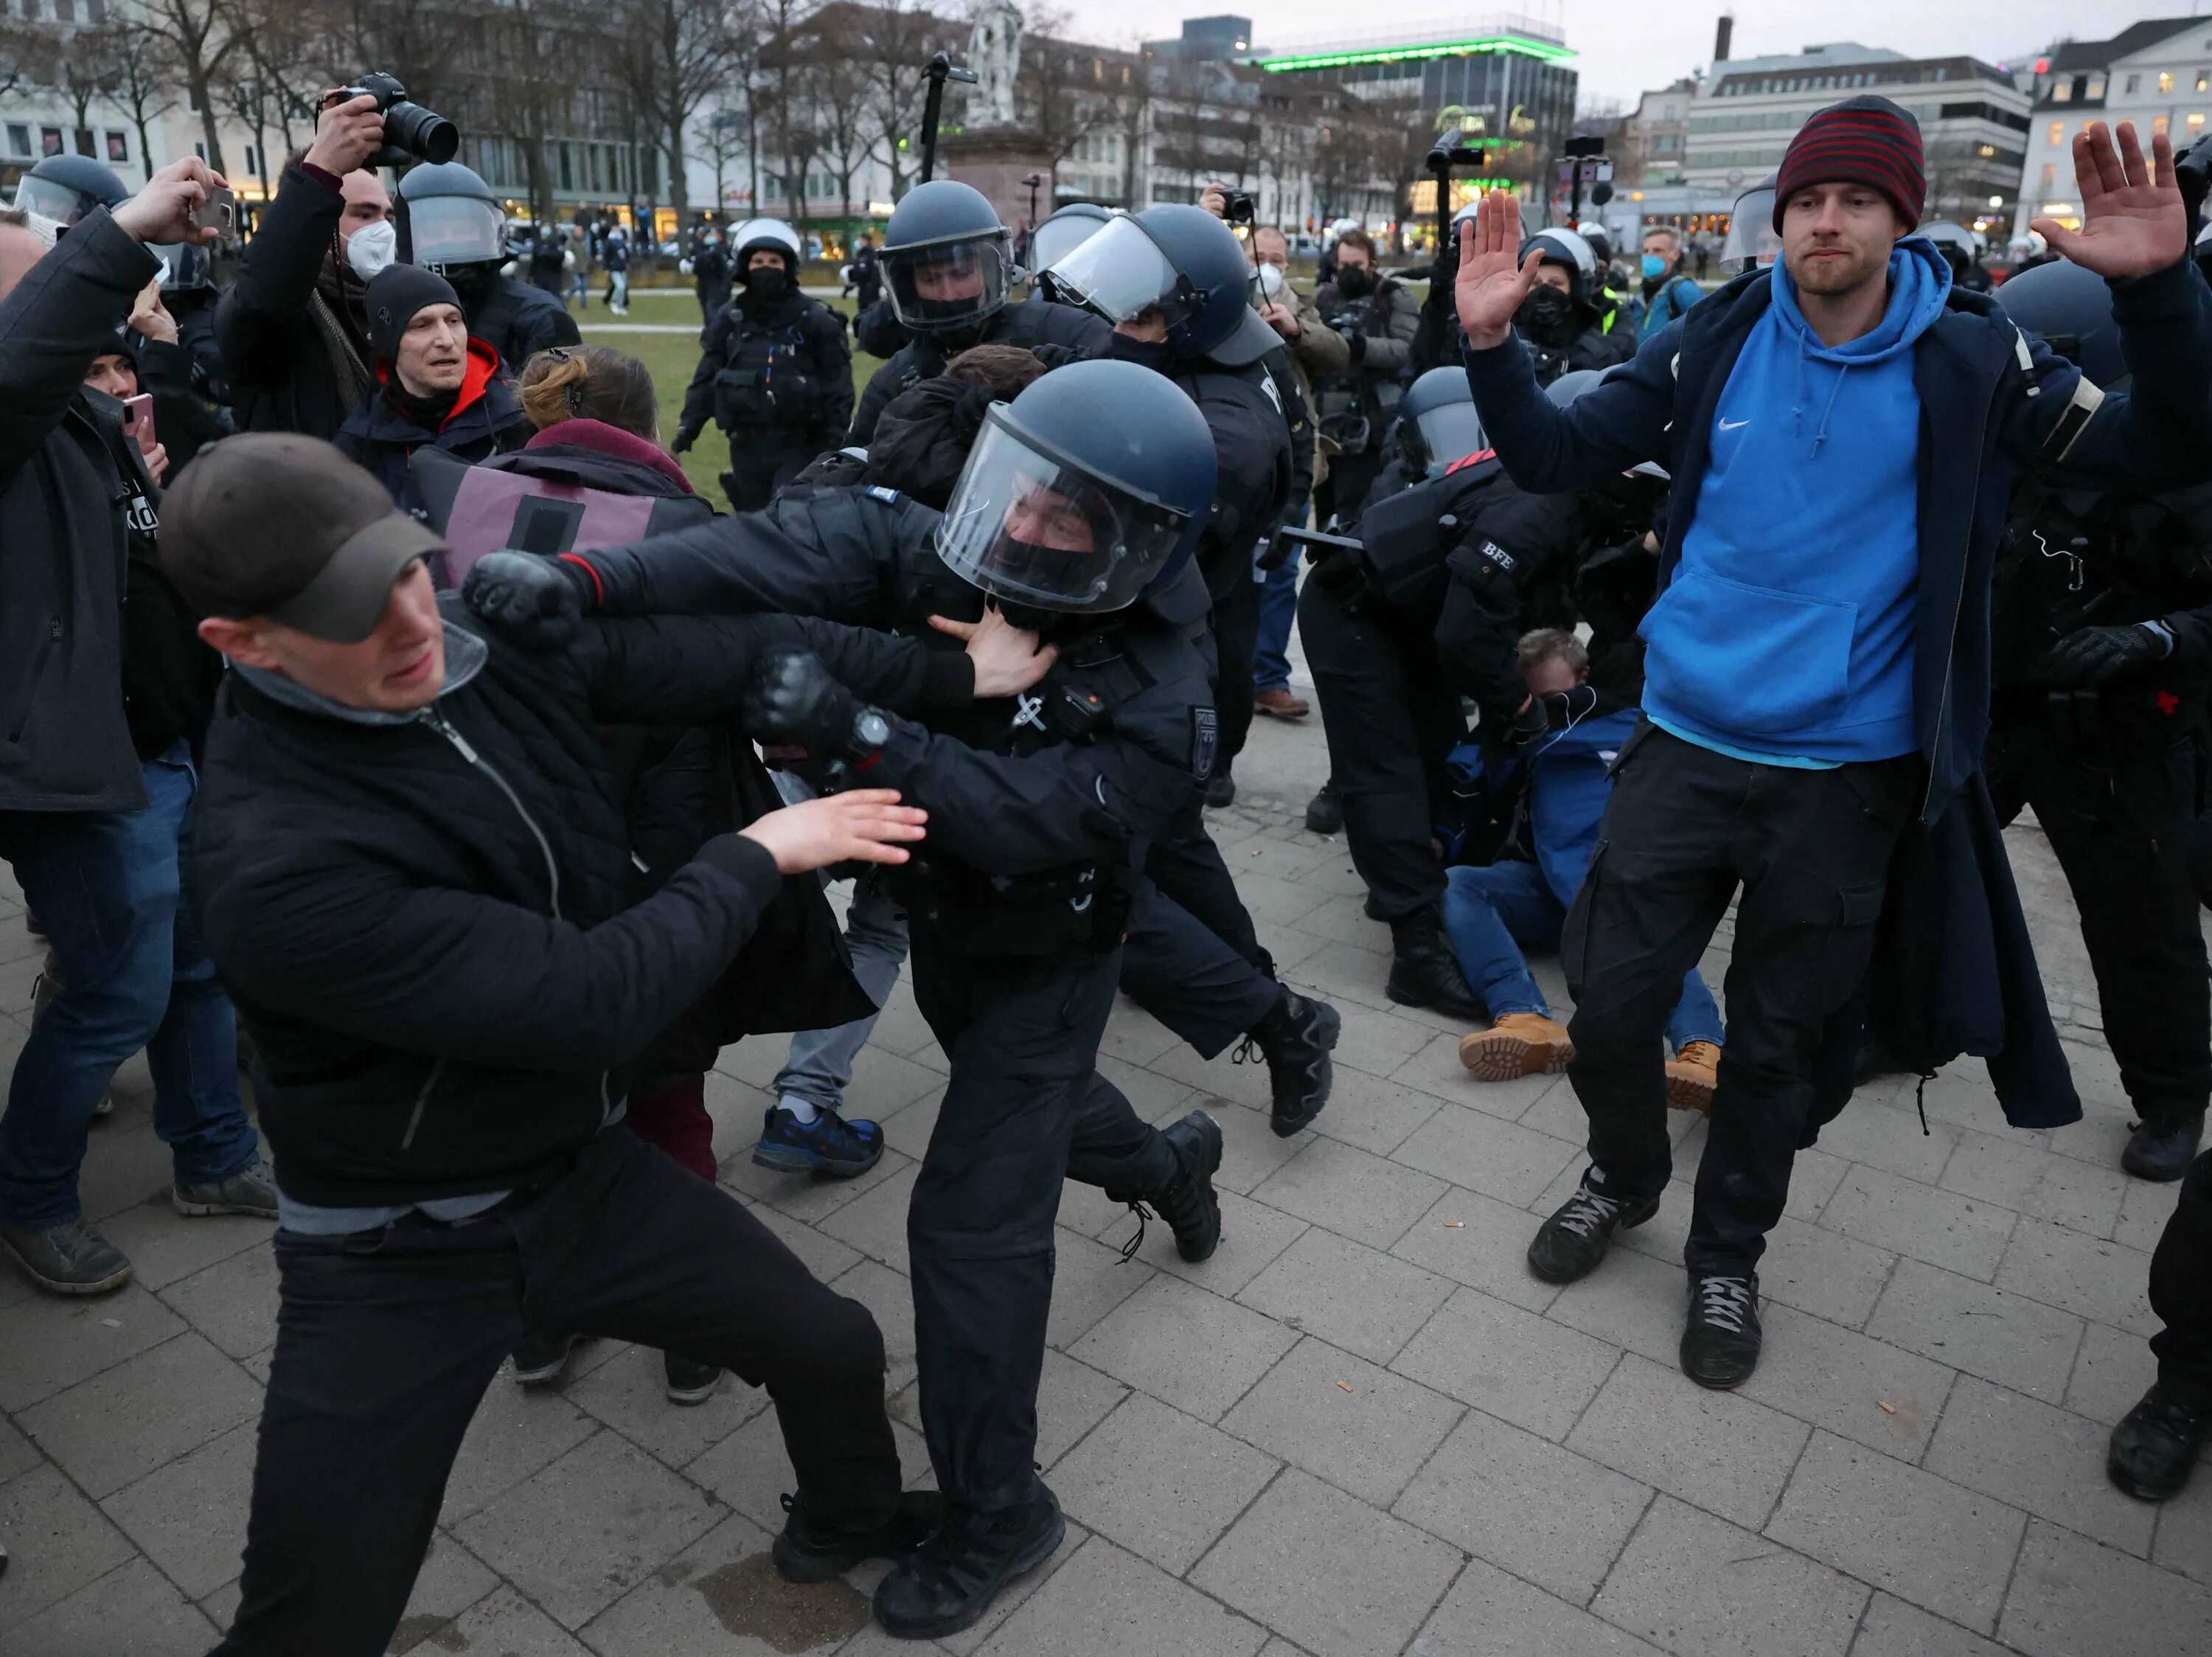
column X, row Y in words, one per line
column 1786, row 633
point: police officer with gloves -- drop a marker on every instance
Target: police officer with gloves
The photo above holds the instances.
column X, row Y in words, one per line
column 775, row 371
column 948, row 264
column 1079, row 513
column 456, row 228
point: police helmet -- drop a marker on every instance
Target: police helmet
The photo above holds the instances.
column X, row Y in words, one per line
column 64, row 188
column 763, row 236
column 947, row 260
column 1178, row 259
column 2069, row 309
column 1086, row 490
column 1600, row 240
column 184, row 266
column 1572, row 253
column 1572, row 384
column 1440, row 421
column 1062, row 234
column 1752, row 239
column 1944, row 233
column 453, row 220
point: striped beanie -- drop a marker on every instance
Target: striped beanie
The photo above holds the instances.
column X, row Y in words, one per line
column 1866, row 140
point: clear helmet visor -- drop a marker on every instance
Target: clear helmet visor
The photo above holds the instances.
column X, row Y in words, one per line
column 948, row 285
column 1033, row 528
column 1752, row 238
column 1120, row 273
column 1056, row 238
column 456, row 230
column 50, row 200
column 1448, row 433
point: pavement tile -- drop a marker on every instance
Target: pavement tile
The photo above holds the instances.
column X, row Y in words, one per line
column 2144, row 1209
column 875, row 1223
column 1868, row 1390
column 1983, row 1330
column 1071, row 1398
column 1157, row 1099
column 1725, row 1453
column 1499, row 1158
column 2032, row 1180
column 1250, row 1149
column 1353, row 1297
column 1328, row 1571
column 57, row 1542
column 1220, row 1077
column 1944, row 1548
column 2107, row 1282
column 1517, row 1365
column 890, row 1298
column 750, row 1470
column 1481, row 1243
column 803, row 1197
column 1373, row 1114
column 505, row 1624
column 2036, row 1456
column 1339, row 973
column 1109, row 1603
column 2113, row 1373
column 1695, row 1583
column 2072, row 1596
column 1376, row 1044
column 1089, row 1280
column 1159, row 1483
column 590, row 1526
column 17, row 1453
column 1350, row 1192
column 451, row 1580
column 515, row 1431
column 629, row 1393
column 233, row 1302
column 1185, row 1346
column 820, row 1253
column 1545, row 1514
column 132, row 1611
column 1813, row 1178
column 720, row 1597
column 1435, row 1068
column 2185, row 1531
column 1942, row 1227
column 1891, row 1140
column 1892, row 1628
column 1630, row 1301
column 1490, row 1614
column 124, row 1423
column 1362, row 1429
column 189, row 1516
column 1134, row 1036
column 52, row 1342
column 165, row 1247
column 1817, row 1271
column 1252, row 1235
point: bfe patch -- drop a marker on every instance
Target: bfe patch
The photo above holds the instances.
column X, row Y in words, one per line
column 1205, row 742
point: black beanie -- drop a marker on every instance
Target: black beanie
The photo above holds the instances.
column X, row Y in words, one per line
column 395, row 294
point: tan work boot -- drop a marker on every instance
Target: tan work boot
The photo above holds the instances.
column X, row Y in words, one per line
column 1518, row 1045
column 1690, row 1075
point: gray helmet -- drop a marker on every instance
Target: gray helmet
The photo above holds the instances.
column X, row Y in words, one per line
column 1440, row 424
column 947, row 260
column 453, row 218
column 2069, row 309
column 1566, row 249
column 1063, row 233
column 64, row 188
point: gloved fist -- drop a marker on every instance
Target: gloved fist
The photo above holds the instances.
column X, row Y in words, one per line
column 533, row 601
column 2098, row 655
column 685, row 438
column 794, row 700
column 1530, row 724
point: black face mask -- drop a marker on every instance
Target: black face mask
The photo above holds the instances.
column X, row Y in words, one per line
column 1545, row 314
column 1355, row 281
column 1154, row 354
column 766, row 286
column 473, row 285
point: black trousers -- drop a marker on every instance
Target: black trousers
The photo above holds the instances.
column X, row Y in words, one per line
column 386, row 1339
column 1024, row 1110
column 1685, row 828
column 762, row 462
column 2181, row 1289
column 1236, row 627
column 1193, row 959
column 2121, row 825
column 1392, row 722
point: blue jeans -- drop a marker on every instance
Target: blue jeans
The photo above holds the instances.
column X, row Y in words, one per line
column 105, row 888
column 1491, row 913
column 1279, row 608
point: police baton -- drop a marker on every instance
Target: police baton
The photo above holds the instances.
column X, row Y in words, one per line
column 939, row 70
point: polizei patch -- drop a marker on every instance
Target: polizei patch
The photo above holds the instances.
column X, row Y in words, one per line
column 1204, row 739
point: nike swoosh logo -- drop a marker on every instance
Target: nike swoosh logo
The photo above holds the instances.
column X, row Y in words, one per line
column 1733, row 425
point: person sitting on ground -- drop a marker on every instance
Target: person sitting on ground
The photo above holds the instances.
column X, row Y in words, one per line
column 1493, row 912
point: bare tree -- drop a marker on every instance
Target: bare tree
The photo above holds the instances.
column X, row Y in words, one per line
column 891, row 44
column 726, row 138
column 27, row 54
column 82, row 71
column 675, row 55
column 1065, row 92
column 202, row 34
column 784, row 67
column 145, row 81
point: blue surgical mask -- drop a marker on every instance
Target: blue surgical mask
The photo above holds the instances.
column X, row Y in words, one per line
column 1654, row 265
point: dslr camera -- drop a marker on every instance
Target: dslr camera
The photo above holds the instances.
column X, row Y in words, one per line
column 411, row 133
column 1237, row 206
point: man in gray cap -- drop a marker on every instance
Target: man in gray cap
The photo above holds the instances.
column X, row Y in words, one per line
column 415, row 878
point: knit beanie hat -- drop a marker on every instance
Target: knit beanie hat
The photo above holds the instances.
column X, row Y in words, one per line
column 395, row 294
column 1865, row 140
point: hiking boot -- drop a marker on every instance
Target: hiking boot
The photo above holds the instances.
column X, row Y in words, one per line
column 1324, row 812
column 1518, row 1045
column 1424, row 971
column 1692, row 1076
column 2155, row 1447
column 540, row 1359
column 251, row 1190
column 950, row 1581
column 686, row 1382
column 828, row 1145
column 1295, row 1039
column 1221, row 790
column 1281, row 704
column 2163, row 1150
column 1188, row 1201
column 1720, row 1347
column 69, row 1259
column 1569, row 1244
column 807, row 1551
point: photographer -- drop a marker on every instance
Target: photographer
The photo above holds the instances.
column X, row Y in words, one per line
column 1377, row 318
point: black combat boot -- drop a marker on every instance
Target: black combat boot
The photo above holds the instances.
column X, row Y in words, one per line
column 1295, row 1039
column 2155, row 1448
column 2163, row 1150
column 808, row 1550
column 950, row 1581
column 1186, row 1201
column 1324, row 812
column 1424, row 971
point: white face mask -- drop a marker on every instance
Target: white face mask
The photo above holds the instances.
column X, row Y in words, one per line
column 1270, row 282
column 372, row 247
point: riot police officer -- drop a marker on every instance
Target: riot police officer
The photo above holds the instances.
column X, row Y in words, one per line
column 2103, row 659
column 775, row 371
column 1563, row 321
column 64, row 188
column 948, row 265
column 1059, row 236
column 455, row 226
column 712, row 271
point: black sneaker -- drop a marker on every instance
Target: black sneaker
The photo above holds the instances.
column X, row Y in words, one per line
column 950, row 1581
column 70, row 1258
column 541, row 1359
column 1188, row 1203
column 687, row 1382
column 1424, row 971
column 1569, row 1244
column 1295, row 1039
column 1220, row 789
column 828, row 1145
column 1720, row 1347
column 2155, row 1448
column 806, row 1551
column 1324, row 812
column 2163, row 1150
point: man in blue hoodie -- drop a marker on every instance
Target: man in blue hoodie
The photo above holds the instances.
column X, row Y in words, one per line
column 1842, row 431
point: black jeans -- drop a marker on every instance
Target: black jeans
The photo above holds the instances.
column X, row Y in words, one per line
column 1685, row 828
column 2181, row 1290
column 2121, row 825
column 1236, row 638
column 1193, row 959
column 385, row 1341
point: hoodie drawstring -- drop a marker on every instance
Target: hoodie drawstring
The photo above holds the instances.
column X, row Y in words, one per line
column 1821, row 436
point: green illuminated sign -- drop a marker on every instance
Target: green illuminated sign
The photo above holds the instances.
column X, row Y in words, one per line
column 1536, row 49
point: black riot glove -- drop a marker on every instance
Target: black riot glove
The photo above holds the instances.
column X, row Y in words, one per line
column 2098, row 655
column 530, row 600
column 793, row 699
column 1530, row 724
column 685, row 436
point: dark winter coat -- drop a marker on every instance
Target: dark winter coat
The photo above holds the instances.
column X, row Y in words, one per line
column 519, row 321
column 294, row 362
column 485, row 420
column 1032, row 323
column 776, row 378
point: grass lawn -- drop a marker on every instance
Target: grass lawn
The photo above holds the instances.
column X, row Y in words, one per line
column 672, row 359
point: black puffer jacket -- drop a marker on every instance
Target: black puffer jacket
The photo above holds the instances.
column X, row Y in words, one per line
column 1032, row 323
column 433, row 924
column 485, row 420
column 922, row 440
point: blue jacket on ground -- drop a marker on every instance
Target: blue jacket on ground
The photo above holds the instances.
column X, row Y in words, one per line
column 1569, row 777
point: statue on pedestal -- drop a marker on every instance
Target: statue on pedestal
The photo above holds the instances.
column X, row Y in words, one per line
column 995, row 52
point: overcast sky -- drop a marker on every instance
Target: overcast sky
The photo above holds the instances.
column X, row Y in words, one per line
column 1626, row 46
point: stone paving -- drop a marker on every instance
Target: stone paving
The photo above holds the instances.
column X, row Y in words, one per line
column 1362, row 1429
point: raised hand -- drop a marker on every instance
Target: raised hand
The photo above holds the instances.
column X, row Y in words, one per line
column 1007, row 659
column 2133, row 219
column 163, row 210
column 866, row 825
column 533, row 601
column 1493, row 278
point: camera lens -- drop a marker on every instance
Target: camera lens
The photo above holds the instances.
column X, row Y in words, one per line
column 421, row 132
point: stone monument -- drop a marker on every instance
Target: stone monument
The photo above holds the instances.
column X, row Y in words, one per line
column 993, row 150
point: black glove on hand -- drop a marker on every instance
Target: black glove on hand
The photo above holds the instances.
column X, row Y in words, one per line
column 531, row 600
column 685, row 438
column 794, row 700
column 2098, row 655
column 1530, row 724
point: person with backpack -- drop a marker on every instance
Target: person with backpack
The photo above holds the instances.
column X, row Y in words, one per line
column 1667, row 293
column 775, row 370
